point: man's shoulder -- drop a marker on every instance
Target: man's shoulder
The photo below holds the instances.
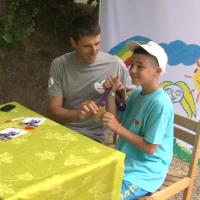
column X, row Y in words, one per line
column 62, row 58
column 110, row 57
column 62, row 62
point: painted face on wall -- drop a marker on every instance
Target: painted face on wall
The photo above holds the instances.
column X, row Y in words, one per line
column 175, row 93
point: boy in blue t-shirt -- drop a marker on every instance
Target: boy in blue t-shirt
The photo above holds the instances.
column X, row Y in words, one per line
column 145, row 129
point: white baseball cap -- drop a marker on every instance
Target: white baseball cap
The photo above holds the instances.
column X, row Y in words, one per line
column 153, row 49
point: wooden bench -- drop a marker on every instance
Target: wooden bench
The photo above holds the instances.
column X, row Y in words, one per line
column 174, row 182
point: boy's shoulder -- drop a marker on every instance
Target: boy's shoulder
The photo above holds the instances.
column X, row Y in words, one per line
column 158, row 97
column 135, row 92
column 163, row 95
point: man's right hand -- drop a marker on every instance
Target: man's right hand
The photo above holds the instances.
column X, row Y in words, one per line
column 87, row 109
column 62, row 115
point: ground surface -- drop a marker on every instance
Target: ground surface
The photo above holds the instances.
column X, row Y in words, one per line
column 182, row 168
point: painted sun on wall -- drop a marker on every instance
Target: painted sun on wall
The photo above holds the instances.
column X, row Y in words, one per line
column 196, row 80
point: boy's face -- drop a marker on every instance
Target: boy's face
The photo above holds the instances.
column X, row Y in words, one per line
column 86, row 48
column 143, row 70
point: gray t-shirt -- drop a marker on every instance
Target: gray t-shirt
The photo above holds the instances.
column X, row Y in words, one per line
column 77, row 83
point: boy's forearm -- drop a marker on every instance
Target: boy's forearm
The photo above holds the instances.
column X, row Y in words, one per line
column 111, row 106
column 136, row 140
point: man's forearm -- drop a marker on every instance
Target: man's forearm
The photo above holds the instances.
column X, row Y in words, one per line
column 62, row 115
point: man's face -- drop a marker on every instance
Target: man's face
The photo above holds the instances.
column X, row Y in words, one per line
column 86, row 48
column 142, row 71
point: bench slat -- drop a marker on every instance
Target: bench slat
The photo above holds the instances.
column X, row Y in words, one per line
column 184, row 135
column 185, row 122
column 168, row 191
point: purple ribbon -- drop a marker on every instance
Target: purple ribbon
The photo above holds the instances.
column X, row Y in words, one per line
column 104, row 98
column 118, row 100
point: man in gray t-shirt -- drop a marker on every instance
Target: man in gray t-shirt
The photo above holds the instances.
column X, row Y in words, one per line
column 76, row 78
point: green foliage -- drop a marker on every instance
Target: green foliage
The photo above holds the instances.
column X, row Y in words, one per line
column 22, row 17
column 57, row 16
column 182, row 152
column 17, row 23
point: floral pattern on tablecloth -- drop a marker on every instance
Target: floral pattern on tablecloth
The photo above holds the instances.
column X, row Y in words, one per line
column 46, row 155
column 75, row 160
column 6, row 158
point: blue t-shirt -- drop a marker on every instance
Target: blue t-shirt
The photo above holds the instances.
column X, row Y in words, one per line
column 150, row 116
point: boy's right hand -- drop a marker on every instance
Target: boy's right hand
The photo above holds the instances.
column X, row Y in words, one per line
column 114, row 83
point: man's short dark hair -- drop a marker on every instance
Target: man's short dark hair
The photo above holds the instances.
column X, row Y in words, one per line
column 85, row 25
column 140, row 50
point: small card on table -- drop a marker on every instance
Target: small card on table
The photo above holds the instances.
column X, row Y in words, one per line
column 10, row 133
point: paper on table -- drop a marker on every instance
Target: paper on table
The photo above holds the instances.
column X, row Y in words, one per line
column 10, row 133
column 33, row 121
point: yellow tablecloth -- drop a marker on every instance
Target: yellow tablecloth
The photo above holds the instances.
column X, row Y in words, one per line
column 55, row 163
